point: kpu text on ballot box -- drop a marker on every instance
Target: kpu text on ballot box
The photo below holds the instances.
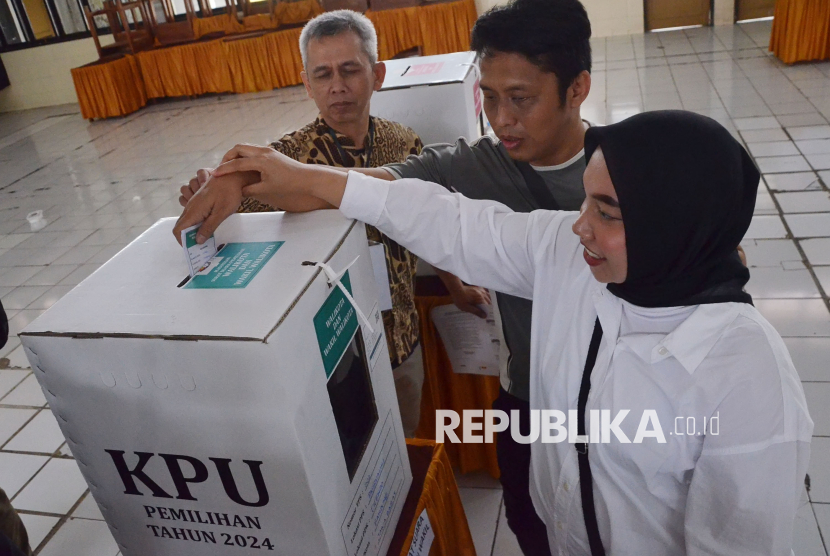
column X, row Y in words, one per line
column 249, row 410
column 437, row 96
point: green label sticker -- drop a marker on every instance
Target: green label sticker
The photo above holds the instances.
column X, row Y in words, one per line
column 335, row 324
column 235, row 265
column 190, row 238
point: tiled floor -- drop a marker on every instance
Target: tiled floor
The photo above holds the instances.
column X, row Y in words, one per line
column 101, row 184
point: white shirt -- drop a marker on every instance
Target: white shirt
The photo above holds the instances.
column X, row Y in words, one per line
column 731, row 493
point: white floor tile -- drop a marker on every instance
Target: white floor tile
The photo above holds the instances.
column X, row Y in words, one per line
column 809, row 132
column 22, row 319
column 10, row 378
column 774, row 148
column 807, row 201
column 27, row 393
column 42, row 435
column 796, row 317
column 809, row 225
column 52, row 274
column 18, row 360
column 806, row 536
column 817, row 250
column 18, row 276
column 766, row 227
column 88, row 509
column 823, row 275
column 770, row 252
column 55, row 489
column 811, row 357
column 814, row 146
column 782, row 164
column 481, row 505
column 819, row 470
column 21, row 297
column 11, row 420
column 764, row 203
column 764, row 135
column 800, row 181
column 50, row 297
column 17, row 470
column 777, row 283
column 37, row 527
column 745, row 124
column 81, row 536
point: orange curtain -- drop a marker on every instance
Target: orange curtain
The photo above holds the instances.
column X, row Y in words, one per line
column 225, row 22
column 187, row 70
column 801, row 30
column 111, row 89
column 398, row 30
column 443, row 389
column 253, row 64
column 446, row 28
column 443, row 505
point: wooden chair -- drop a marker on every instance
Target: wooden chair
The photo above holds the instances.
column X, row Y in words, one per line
column 129, row 37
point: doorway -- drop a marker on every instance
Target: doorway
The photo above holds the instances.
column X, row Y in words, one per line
column 663, row 14
column 753, row 9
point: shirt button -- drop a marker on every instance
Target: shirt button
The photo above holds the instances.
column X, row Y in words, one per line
column 662, row 351
column 559, row 525
column 567, row 487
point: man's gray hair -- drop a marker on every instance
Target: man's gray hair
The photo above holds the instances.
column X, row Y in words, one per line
column 335, row 22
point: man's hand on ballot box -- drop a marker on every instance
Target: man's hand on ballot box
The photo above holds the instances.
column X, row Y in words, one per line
column 261, row 173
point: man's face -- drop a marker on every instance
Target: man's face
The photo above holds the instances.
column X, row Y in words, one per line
column 523, row 105
column 340, row 78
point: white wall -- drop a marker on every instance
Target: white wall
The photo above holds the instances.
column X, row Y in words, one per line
column 40, row 76
column 608, row 17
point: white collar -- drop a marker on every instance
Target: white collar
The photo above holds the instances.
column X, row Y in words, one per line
column 689, row 343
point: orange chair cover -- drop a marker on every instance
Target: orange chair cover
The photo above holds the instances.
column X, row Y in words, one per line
column 258, row 63
column 443, row 389
column 111, row 89
column 257, row 22
column 225, row 22
column 801, row 30
column 443, row 505
column 297, row 12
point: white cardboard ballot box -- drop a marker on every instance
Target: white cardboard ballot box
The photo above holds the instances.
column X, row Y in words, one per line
column 437, row 96
column 247, row 411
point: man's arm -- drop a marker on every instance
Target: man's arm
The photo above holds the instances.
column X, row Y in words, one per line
column 481, row 240
column 467, row 298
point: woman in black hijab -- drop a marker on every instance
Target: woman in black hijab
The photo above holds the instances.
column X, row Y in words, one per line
column 672, row 420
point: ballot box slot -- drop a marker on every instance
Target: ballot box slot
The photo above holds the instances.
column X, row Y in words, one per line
column 353, row 403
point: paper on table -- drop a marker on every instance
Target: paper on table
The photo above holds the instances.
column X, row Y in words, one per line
column 472, row 343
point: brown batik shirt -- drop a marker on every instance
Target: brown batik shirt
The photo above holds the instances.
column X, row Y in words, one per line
column 392, row 142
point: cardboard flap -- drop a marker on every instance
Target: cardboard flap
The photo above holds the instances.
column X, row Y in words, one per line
column 137, row 293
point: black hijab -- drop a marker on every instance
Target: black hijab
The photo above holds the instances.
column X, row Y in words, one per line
column 686, row 190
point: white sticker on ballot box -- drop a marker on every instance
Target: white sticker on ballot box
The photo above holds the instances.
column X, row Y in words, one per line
column 197, row 256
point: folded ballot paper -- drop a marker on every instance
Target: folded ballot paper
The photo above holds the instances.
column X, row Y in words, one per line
column 248, row 406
